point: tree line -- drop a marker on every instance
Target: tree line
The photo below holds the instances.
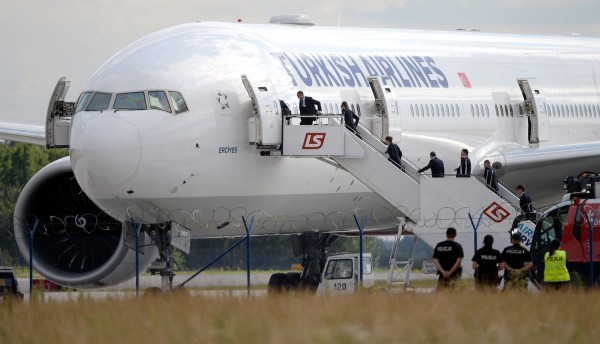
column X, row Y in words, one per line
column 18, row 163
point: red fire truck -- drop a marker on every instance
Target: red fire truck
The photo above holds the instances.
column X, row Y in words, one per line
column 576, row 224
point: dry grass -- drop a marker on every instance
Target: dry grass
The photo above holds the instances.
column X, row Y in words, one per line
column 461, row 317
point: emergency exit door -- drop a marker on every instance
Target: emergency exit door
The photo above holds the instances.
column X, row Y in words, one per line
column 266, row 125
column 534, row 100
column 387, row 108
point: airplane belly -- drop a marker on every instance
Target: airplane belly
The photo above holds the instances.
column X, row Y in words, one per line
column 273, row 214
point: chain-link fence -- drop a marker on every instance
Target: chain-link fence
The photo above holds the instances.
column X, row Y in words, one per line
column 112, row 260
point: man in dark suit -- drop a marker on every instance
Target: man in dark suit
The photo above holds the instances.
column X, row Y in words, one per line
column 490, row 176
column 350, row 119
column 436, row 165
column 307, row 107
column 526, row 206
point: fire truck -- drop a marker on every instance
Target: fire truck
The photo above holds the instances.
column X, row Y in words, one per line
column 575, row 222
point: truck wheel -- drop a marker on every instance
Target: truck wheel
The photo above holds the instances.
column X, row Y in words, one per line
column 277, row 283
column 293, row 281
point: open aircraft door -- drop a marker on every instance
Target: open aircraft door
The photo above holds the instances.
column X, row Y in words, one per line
column 265, row 127
column 58, row 116
column 534, row 108
column 387, row 108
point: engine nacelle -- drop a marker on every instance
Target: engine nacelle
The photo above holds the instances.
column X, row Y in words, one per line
column 75, row 243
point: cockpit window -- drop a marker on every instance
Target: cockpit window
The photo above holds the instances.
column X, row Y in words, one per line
column 84, row 98
column 130, row 101
column 100, row 101
column 178, row 102
column 158, row 100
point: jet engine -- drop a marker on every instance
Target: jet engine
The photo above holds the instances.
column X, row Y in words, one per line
column 74, row 243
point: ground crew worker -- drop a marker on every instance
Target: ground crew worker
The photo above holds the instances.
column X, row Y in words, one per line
column 485, row 263
column 447, row 257
column 516, row 261
column 556, row 275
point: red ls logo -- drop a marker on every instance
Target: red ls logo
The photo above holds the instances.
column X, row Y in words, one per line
column 465, row 81
column 313, row 140
column 496, row 213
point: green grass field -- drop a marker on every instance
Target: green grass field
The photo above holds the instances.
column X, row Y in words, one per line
column 454, row 317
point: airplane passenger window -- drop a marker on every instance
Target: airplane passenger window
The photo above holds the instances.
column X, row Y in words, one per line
column 562, row 110
column 487, row 110
column 178, row 102
column 511, row 111
column 84, row 98
column 447, row 112
column 412, row 111
column 358, row 110
column 476, row 110
column 571, row 110
column 431, row 110
column 437, row 110
column 588, row 111
column 159, row 101
column 472, row 111
column 457, row 110
column 100, row 101
column 497, row 112
column 506, row 110
column 501, row 111
column 427, row 110
column 130, row 101
column 422, row 111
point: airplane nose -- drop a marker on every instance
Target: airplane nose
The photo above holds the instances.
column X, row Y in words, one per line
column 105, row 151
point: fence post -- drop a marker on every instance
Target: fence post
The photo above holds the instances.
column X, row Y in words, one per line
column 137, row 256
column 248, row 229
column 591, row 245
column 360, row 250
column 31, row 234
column 475, row 226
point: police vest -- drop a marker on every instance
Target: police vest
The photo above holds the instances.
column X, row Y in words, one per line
column 555, row 269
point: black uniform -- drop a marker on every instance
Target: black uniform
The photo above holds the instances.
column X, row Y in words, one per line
column 307, row 107
column 447, row 252
column 515, row 256
column 464, row 169
column 525, row 203
column 395, row 154
column 350, row 119
column 437, row 167
column 487, row 260
column 491, row 179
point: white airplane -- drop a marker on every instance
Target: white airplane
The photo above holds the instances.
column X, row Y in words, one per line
column 162, row 134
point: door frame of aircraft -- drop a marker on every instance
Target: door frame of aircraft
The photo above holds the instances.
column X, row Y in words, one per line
column 58, row 116
column 265, row 127
column 534, row 100
column 386, row 104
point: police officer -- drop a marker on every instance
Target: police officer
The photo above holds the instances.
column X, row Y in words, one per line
column 556, row 275
column 516, row 261
column 447, row 257
column 485, row 263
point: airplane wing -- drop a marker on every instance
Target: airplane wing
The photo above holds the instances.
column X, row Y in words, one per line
column 28, row 133
column 523, row 159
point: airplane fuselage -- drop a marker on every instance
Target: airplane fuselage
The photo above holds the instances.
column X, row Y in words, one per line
column 453, row 90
